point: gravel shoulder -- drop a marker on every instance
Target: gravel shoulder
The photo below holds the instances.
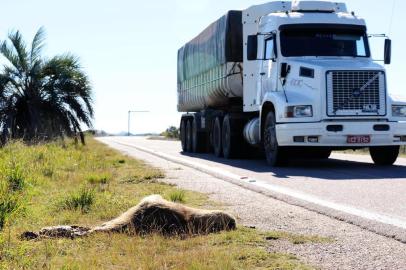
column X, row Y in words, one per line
column 353, row 248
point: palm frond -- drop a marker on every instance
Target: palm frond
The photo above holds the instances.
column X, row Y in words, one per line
column 20, row 48
column 38, row 43
column 10, row 55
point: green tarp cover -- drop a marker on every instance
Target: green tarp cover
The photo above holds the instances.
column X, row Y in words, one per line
column 218, row 44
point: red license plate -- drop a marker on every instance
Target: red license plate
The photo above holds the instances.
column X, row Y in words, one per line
column 363, row 139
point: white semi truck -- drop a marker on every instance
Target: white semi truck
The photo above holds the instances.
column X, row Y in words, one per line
column 292, row 79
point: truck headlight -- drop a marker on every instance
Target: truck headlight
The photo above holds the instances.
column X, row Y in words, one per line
column 299, row 111
column 399, row 110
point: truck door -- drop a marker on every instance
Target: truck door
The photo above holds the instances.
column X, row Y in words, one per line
column 269, row 72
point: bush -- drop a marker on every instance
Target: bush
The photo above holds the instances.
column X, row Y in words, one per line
column 83, row 200
column 171, row 133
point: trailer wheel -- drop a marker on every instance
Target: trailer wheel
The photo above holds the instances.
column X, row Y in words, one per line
column 275, row 155
column 384, row 155
column 189, row 136
column 183, row 134
column 198, row 138
column 216, row 137
column 232, row 137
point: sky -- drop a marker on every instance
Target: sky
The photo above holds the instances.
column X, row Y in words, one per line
column 129, row 47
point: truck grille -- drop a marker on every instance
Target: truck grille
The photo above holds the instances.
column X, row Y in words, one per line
column 352, row 93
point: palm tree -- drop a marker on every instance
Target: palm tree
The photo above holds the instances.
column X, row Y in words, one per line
column 40, row 98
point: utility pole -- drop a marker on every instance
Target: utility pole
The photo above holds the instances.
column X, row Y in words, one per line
column 129, row 118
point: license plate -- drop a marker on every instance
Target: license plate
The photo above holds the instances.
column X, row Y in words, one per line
column 363, row 139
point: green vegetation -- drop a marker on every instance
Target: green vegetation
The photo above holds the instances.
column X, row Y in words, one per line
column 177, row 196
column 70, row 184
column 8, row 206
column 14, row 177
column 41, row 98
column 99, row 179
column 82, row 199
column 171, row 133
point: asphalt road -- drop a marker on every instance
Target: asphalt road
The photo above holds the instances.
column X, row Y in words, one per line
column 348, row 187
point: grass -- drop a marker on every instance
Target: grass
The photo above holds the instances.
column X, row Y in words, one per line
column 15, row 177
column 9, row 204
column 99, row 179
column 177, row 196
column 62, row 186
column 82, row 199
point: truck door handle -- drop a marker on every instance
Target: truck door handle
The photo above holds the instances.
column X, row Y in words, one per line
column 262, row 73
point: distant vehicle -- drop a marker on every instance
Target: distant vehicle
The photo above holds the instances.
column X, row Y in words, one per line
column 290, row 78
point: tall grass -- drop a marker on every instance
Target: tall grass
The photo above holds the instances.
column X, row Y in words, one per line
column 9, row 204
column 177, row 196
column 12, row 185
column 82, row 200
column 15, row 177
column 99, row 179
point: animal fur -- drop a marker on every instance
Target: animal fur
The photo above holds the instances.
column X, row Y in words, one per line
column 152, row 215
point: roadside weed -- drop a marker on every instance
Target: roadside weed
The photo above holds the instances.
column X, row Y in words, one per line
column 177, row 196
column 80, row 200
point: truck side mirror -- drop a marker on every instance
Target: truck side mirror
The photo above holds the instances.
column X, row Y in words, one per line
column 252, row 48
column 388, row 51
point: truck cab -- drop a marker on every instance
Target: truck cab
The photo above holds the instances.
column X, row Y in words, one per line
column 310, row 73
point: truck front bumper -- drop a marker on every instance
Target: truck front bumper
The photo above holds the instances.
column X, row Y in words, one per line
column 305, row 134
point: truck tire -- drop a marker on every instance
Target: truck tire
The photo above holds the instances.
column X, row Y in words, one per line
column 189, row 136
column 183, row 134
column 319, row 153
column 275, row 155
column 232, row 137
column 216, row 137
column 198, row 138
column 325, row 154
column 384, row 155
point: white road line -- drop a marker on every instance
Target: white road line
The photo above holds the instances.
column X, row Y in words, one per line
column 236, row 179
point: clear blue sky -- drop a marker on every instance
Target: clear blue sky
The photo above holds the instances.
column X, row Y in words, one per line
column 129, row 47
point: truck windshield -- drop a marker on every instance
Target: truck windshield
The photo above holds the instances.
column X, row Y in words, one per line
column 325, row 42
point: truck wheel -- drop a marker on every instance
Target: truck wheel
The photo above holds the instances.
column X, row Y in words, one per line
column 324, row 154
column 183, row 134
column 189, row 136
column 216, row 137
column 198, row 138
column 232, row 137
column 384, row 155
column 319, row 153
column 275, row 155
